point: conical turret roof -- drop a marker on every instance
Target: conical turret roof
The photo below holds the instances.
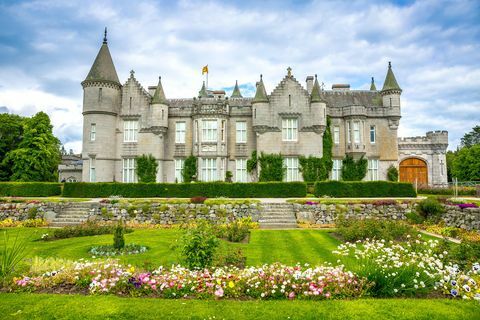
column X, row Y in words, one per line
column 159, row 96
column 390, row 81
column 372, row 85
column 103, row 68
column 261, row 94
column 236, row 91
column 203, row 92
column 315, row 95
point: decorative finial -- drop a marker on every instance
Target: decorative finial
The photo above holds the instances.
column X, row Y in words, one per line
column 289, row 72
column 373, row 80
column 236, row 82
column 389, row 64
column 261, row 77
column 105, row 36
column 315, row 76
column 159, row 78
column 132, row 73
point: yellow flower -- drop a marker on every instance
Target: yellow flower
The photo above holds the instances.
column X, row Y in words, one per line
column 231, row 284
column 218, row 281
column 131, row 270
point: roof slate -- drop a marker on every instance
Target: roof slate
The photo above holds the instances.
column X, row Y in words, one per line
column 103, row 68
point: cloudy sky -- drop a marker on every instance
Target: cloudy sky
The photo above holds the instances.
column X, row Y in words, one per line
column 47, row 48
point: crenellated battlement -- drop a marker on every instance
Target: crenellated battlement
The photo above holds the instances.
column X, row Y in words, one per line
column 431, row 137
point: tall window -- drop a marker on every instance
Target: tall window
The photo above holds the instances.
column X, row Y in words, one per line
column 349, row 132
column 292, row 169
column 209, row 131
column 179, row 164
column 224, row 130
column 209, row 169
column 180, row 132
column 93, row 177
column 93, row 132
column 373, row 134
column 241, row 127
column 196, row 131
column 129, row 170
column 337, row 169
column 373, row 169
column 336, row 134
column 241, row 170
column 289, row 129
column 356, row 132
column 130, row 130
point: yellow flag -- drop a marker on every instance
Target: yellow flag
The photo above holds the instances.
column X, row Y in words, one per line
column 205, row 69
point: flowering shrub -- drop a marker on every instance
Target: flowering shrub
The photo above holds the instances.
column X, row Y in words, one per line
column 361, row 229
column 396, row 269
column 110, row 251
column 467, row 205
column 30, row 223
column 462, row 284
column 274, row 281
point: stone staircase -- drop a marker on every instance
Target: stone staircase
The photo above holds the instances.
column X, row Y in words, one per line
column 75, row 213
column 277, row 216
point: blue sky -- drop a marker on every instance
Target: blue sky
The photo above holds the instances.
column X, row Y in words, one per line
column 47, row 48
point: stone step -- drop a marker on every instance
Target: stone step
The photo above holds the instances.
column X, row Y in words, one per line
column 272, row 215
column 70, row 220
column 63, row 224
column 278, row 226
column 282, row 221
column 73, row 216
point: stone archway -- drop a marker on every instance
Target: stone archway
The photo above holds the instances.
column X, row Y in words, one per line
column 414, row 170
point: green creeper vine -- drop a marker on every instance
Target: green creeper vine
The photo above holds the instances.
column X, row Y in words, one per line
column 354, row 170
column 271, row 167
column 147, row 168
column 392, row 173
column 252, row 162
column 189, row 170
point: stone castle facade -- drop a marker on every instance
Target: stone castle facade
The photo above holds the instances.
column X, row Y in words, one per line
column 124, row 121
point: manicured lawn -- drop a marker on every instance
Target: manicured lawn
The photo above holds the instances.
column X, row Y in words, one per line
column 44, row 306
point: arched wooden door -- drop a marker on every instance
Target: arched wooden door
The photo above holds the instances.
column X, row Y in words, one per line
column 413, row 169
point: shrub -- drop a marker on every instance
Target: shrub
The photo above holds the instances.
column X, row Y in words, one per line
column 189, row 170
column 414, row 218
column 119, row 237
column 367, row 189
column 30, row 189
column 186, row 190
column 235, row 231
column 354, row 229
column 354, row 170
column 231, row 258
column 11, row 254
column 462, row 191
column 271, row 167
column 199, row 244
column 89, row 228
column 430, row 208
column 392, row 173
column 32, row 213
column 147, row 168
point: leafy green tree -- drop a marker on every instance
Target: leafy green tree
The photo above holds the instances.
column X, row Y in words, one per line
column 147, row 168
column 11, row 132
column 471, row 138
column 392, row 173
column 466, row 165
column 189, row 170
column 354, row 170
column 38, row 154
column 450, row 156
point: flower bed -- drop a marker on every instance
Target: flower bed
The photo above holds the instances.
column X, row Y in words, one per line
column 274, row 281
column 29, row 223
column 110, row 251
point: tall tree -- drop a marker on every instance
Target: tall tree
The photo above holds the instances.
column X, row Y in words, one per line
column 471, row 138
column 11, row 132
column 466, row 165
column 38, row 154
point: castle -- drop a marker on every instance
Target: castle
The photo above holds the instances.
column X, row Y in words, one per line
column 122, row 122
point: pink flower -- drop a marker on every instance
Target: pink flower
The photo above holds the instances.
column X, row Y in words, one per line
column 291, row 295
column 219, row 292
column 327, row 295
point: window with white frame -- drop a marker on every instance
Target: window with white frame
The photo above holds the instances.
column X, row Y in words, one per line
column 337, row 169
column 180, row 132
column 373, row 134
column 373, row 169
column 291, row 165
column 224, row 130
column 130, row 130
column 209, row 169
column 129, row 170
column 93, row 132
column 349, row 132
column 241, row 134
column 93, row 177
column 209, row 131
column 289, row 129
column 336, row 134
column 196, row 131
column 241, row 170
column 356, row 132
column 179, row 164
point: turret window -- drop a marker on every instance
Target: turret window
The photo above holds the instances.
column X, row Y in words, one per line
column 129, row 170
column 241, row 132
column 180, row 132
column 209, row 131
column 373, row 134
column 356, row 132
column 99, row 95
column 93, row 132
column 92, row 174
column 349, row 132
column 130, row 131
column 336, row 134
column 289, row 129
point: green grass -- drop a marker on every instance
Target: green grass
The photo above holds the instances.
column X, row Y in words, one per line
column 44, row 306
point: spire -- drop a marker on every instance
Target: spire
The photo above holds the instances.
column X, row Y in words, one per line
column 315, row 95
column 103, row 68
column 236, row 91
column 390, row 81
column 203, row 92
column 372, row 85
column 261, row 94
column 159, row 96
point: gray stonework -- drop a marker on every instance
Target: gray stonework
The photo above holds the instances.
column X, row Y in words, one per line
column 108, row 105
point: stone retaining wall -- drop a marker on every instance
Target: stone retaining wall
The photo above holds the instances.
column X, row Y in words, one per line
column 22, row 211
column 468, row 218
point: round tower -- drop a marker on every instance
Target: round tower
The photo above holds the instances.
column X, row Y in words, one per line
column 101, row 103
column 319, row 105
column 260, row 108
column 391, row 91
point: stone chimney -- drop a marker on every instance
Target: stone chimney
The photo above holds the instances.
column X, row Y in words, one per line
column 309, row 84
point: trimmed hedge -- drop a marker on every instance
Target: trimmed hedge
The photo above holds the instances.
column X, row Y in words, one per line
column 462, row 191
column 186, row 190
column 363, row 189
column 30, row 189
